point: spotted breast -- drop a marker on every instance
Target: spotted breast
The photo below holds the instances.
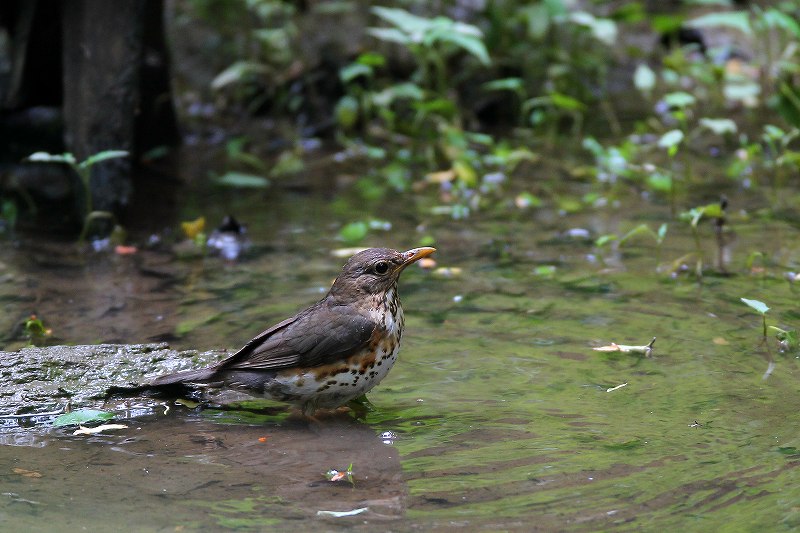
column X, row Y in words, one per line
column 336, row 384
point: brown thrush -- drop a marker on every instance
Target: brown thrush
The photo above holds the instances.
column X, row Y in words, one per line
column 332, row 352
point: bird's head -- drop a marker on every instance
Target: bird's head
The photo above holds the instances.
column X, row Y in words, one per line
column 374, row 271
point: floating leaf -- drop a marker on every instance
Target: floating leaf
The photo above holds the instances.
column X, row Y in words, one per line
column 339, row 514
column 99, row 429
column 83, row 416
column 26, row 473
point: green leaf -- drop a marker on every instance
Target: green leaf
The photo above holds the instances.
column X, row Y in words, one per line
column 741, row 91
column 82, row 416
column 241, row 180
column 390, row 35
column 602, row 240
column 470, row 44
column 660, row 181
column 773, row 132
column 670, row 139
column 644, row 78
column 679, row 99
column 505, row 84
column 562, row 101
column 760, row 307
column 662, row 232
column 353, row 71
column 354, row 232
column 720, row 126
column 371, row 59
column 237, row 72
column 604, row 30
column 401, row 18
column 289, row 162
column 738, row 20
column 776, row 19
column 346, row 112
column 401, row 91
column 538, row 20
column 44, row 157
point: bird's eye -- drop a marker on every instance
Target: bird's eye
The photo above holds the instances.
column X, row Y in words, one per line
column 381, row 267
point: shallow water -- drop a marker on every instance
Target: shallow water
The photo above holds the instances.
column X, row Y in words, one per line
column 498, row 415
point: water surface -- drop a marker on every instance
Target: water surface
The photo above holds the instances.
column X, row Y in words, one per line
column 499, row 414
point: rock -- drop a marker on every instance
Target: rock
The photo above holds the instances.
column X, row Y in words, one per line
column 44, row 380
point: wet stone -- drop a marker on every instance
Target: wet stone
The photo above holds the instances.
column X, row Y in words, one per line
column 38, row 380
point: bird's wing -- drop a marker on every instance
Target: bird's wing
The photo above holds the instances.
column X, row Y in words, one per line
column 314, row 337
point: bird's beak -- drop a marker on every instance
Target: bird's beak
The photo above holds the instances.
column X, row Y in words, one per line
column 415, row 254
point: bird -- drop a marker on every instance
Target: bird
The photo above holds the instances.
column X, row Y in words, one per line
column 323, row 357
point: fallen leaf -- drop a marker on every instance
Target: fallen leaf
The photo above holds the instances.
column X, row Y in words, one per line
column 98, row 429
column 27, row 473
column 339, row 514
column 647, row 349
column 720, row 341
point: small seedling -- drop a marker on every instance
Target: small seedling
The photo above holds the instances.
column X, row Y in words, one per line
column 761, row 308
column 36, row 331
column 84, row 171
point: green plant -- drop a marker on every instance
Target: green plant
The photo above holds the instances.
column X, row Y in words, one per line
column 84, row 171
column 760, row 308
column 431, row 41
column 8, row 214
column 693, row 216
column 35, row 330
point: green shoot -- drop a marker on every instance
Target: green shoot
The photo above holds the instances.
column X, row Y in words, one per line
column 760, row 307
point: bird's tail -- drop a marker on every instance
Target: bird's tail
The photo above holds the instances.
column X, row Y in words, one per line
column 169, row 384
column 186, row 377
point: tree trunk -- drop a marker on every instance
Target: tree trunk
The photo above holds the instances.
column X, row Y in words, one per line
column 102, row 53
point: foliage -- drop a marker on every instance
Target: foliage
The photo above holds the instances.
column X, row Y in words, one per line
column 84, row 171
column 414, row 100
